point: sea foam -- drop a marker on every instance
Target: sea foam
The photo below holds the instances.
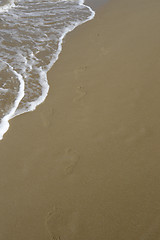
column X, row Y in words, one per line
column 6, row 5
column 31, row 37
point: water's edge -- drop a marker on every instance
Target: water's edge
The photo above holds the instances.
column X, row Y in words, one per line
column 4, row 125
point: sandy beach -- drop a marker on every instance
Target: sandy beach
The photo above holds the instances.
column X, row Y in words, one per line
column 86, row 164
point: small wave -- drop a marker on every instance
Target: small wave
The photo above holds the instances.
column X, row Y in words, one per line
column 4, row 124
column 31, row 37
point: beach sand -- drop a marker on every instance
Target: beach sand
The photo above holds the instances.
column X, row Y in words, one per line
column 86, row 164
column 96, row 4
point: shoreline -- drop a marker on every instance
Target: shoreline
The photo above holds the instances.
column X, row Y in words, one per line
column 14, row 112
column 85, row 164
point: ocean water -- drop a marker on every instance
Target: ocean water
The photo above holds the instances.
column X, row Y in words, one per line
column 31, row 36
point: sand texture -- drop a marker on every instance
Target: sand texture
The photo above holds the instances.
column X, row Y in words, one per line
column 86, row 164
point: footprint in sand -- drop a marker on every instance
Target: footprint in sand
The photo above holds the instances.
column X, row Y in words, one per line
column 79, row 71
column 67, row 161
column 62, row 223
column 80, row 93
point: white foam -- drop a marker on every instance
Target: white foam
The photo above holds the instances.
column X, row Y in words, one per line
column 32, row 105
column 44, row 83
column 7, row 6
column 4, row 125
column 3, row 90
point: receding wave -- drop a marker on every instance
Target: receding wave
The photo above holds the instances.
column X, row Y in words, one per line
column 31, row 35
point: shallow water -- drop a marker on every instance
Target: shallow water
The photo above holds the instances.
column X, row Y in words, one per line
column 31, row 35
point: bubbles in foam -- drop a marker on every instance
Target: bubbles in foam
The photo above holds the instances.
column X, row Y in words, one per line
column 31, row 36
column 5, row 5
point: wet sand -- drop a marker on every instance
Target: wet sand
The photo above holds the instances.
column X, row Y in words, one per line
column 96, row 4
column 86, row 164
